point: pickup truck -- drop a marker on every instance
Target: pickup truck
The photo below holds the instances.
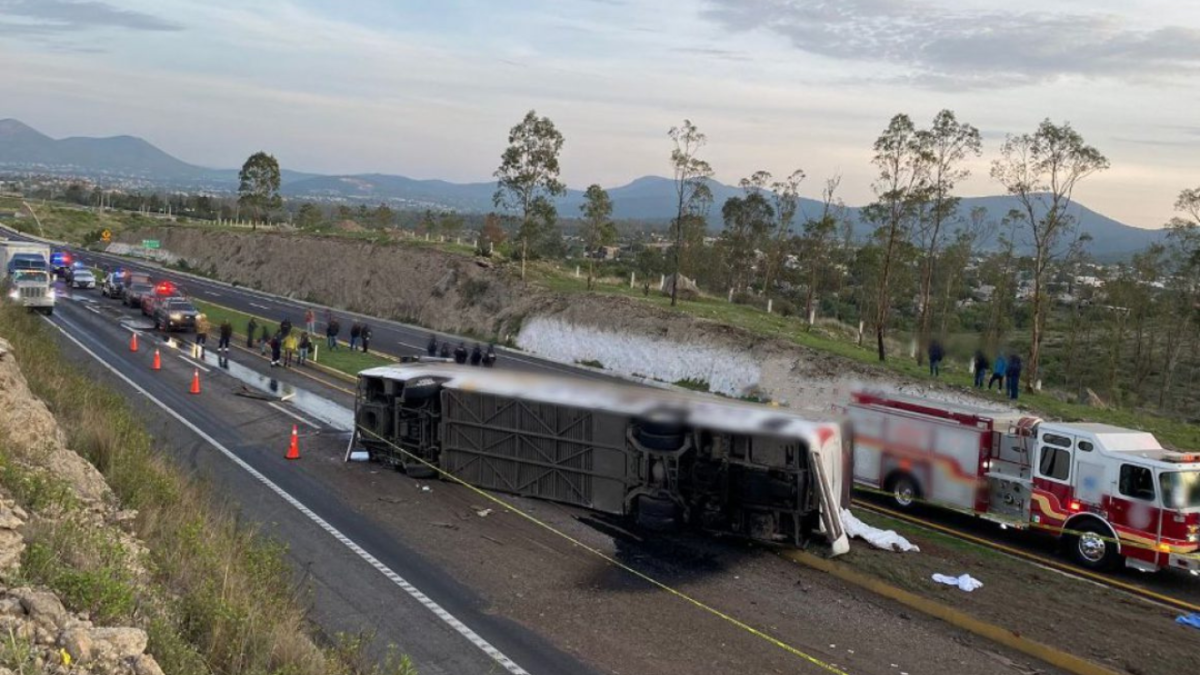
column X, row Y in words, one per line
column 174, row 313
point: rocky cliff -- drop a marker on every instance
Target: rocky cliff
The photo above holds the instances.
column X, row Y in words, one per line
column 37, row 633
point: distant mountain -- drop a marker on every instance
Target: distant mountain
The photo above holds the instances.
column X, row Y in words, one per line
column 27, row 149
column 650, row 198
column 24, row 147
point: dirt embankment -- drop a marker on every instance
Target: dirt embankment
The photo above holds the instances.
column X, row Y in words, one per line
column 457, row 294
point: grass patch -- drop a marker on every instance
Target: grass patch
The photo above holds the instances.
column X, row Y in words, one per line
column 591, row 363
column 693, row 384
column 219, row 598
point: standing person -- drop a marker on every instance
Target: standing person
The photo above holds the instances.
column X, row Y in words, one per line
column 432, row 347
column 460, row 354
column 1013, row 375
column 355, row 331
column 264, row 340
column 202, row 328
column 935, row 358
column 226, row 336
column 251, row 329
column 489, row 359
column 285, row 327
column 998, row 367
column 981, row 366
column 476, row 355
column 331, row 328
column 444, row 350
column 276, row 348
column 290, row 344
column 365, row 334
column 305, row 345
column 310, row 320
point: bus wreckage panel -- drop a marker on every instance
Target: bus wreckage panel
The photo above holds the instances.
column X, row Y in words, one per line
column 661, row 457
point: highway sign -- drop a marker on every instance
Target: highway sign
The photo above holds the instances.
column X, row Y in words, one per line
column 106, row 236
column 149, row 243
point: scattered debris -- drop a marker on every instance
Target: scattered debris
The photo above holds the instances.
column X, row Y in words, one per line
column 1192, row 620
column 887, row 540
column 965, row 582
column 484, row 513
column 360, row 456
column 426, row 488
column 448, row 526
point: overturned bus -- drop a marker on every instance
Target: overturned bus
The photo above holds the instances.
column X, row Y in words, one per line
column 664, row 458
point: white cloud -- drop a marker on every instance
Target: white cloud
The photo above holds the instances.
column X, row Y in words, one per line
column 380, row 87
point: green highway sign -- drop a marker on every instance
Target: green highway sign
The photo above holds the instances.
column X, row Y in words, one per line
column 149, row 243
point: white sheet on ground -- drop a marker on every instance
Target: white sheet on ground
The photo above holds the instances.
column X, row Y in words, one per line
column 966, row 582
column 887, row 540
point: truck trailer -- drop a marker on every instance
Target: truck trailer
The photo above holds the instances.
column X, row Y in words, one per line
column 1113, row 495
column 663, row 458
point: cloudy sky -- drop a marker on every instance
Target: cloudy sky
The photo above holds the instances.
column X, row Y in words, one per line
column 428, row 89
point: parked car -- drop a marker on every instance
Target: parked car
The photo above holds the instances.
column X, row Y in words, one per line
column 83, row 279
column 130, row 278
column 132, row 296
column 174, row 313
column 113, row 286
column 162, row 290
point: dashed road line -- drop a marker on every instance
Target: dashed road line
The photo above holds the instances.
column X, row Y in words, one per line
column 461, row 628
column 201, row 367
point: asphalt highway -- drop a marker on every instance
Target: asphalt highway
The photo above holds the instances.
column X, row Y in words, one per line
column 362, row 580
column 389, row 337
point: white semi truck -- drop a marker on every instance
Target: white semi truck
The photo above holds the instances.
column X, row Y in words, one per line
column 27, row 279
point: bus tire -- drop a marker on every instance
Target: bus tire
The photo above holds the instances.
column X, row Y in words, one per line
column 420, row 471
column 657, row 514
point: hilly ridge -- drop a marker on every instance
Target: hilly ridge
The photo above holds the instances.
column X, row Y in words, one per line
column 649, row 198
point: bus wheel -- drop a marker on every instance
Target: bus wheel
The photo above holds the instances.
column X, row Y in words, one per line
column 1092, row 547
column 657, row 514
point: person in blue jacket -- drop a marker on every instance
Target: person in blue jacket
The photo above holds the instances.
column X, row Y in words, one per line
column 999, row 366
column 1013, row 376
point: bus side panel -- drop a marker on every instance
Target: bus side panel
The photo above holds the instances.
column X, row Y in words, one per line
column 534, row 449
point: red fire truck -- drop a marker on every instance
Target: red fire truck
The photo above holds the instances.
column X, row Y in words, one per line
column 1112, row 494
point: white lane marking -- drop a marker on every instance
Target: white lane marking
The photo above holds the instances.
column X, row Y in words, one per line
column 92, row 309
column 214, row 294
column 205, row 369
column 255, row 304
column 428, row 603
column 302, row 419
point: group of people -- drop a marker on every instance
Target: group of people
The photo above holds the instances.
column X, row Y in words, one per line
column 225, row 334
column 476, row 356
column 1006, row 371
column 360, row 333
column 287, row 345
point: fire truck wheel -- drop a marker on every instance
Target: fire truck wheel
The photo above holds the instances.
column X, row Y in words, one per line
column 905, row 491
column 1092, row 546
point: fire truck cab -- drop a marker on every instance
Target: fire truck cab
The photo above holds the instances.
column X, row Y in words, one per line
column 1111, row 493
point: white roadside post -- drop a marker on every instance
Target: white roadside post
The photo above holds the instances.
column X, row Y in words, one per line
column 769, row 305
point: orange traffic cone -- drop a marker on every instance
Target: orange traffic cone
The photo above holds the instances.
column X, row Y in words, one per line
column 294, row 447
column 195, row 382
column 157, row 365
column 133, row 343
